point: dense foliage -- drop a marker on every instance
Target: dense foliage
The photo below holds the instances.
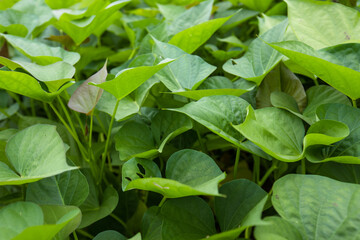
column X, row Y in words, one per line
column 179, row 119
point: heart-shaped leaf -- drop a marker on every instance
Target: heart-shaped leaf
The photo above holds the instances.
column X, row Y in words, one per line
column 259, row 60
column 36, row 152
column 336, row 65
column 93, row 209
column 137, row 139
column 69, row 188
column 28, row 86
column 305, row 204
column 303, row 14
column 79, row 28
column 282, row 134
column 347, row 150
column 319, row 95
column 192, row 38
column 242, row 206
column 185, row 73
column 201, row 176
column 23, row 219
column 130, row 79
column 218, row 86
column 41, row 53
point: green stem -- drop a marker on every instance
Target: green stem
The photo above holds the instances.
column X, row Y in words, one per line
column 47, row 111
column 100, row 122
column 4, row 112
column 256, row 170
column 91, row 129
column 32, row 104
column 354, row 103
column 132, row 53
column 303, row 166
column 119, row 220
column 203, row 149
column 66, row 112
column 17, row 99
column 77, row 115
column 248, row 232
column 81, row 147
column 75, row 236
column 108, row 141
column 316, row 82
column 85, row 234
column 237, row 158
column 162, row 201
column 268, row 173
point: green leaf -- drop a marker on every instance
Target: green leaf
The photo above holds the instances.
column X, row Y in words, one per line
column 259, row 60
column 79, row 28
column 109, row 234
column 170, row 12
column 24, row 220
column 151, row 224
column 58, row 4
column 28, row 86
column 267, row 22
column 137, row 168
column 283, row 80
column 287, row 102
column 340, row 22
column 59, row 214
column 85, row 97
column 180, row 219
column 16, row 217
column 93, row 210
column 17, row 23
column 194, row 16
column 186, row 72
column 192, row 38
column 281, row 134
column 260, row 6
column 338, row 171
column 337, row 66
column 69, row 188
column 307, row 202
column 238, row 18
column 318, row 95
column 8, row 112
column 126, row 108
column 130, row 79
column 217, row 113
column 242, row 206
column 41, row 53
column 218, row 86
column 347, row 150
column 55, row 75
column 136, row 139
column 188, row 173
column 35, row 153
column 278, row 228
column 39, row 11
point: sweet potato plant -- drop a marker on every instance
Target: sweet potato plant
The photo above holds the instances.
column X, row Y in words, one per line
column 179, row 119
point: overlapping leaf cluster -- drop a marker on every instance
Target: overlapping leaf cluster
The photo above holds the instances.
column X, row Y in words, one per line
column 179, row 119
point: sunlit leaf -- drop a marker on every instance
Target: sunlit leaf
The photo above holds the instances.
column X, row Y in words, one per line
column 129, row 79
column 36, row 152
column 259, row 59
column 340, row 21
